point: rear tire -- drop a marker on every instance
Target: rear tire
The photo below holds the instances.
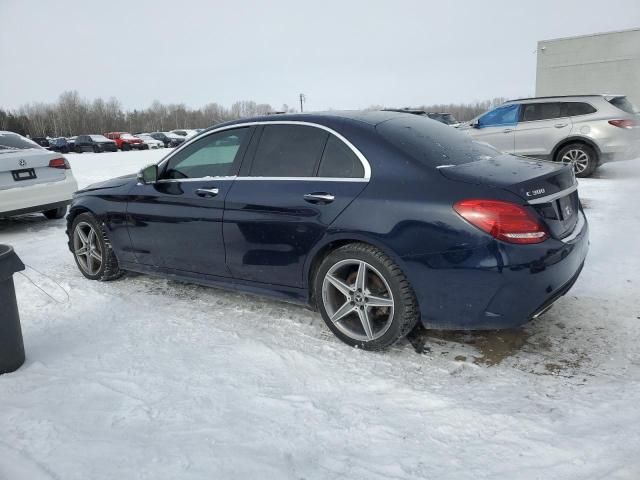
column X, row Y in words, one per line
column 55, row 213
column 92, row 250
column 364, row 297
column 583, row 157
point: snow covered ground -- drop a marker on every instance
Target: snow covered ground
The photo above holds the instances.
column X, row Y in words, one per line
column 153, row 379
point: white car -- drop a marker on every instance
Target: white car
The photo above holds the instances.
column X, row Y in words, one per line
column 185, row 132
column 150, row 141
column 33, row 179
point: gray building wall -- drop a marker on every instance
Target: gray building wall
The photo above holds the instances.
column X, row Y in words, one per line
column 600, row 63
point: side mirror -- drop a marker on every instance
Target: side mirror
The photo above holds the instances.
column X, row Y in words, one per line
column 475, row 124
column 148, row 175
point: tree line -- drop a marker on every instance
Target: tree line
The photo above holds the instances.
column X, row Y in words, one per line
column 74, row 115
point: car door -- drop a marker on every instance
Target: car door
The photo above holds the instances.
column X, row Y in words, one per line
column 176, row 223
column 84, row 141
column 279, row 207
column 497, row 127
column 541, row 127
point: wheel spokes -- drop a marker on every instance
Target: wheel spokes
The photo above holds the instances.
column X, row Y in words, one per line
column 375, row 301
column 361, row 277
column 342, row 312
column 366, row 323
column 342, row 287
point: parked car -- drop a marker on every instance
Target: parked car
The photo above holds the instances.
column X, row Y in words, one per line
column 94, row 143
column 377, row 219
column 59, row 144
column 582, row 130
column 72, row 142
column 169, row 139
column 149, row 141
column 125, row 141
column 187, row 133
column 446, row 118
column 33, row 179
column 42, row 141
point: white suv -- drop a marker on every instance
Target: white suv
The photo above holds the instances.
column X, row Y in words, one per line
column 33, row 179
column 584, row 130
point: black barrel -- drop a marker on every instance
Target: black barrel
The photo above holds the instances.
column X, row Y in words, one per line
column 11, row 346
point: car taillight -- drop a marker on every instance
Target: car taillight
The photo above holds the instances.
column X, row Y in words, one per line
column 59, row 163
column 623, row 123
column 505, row 221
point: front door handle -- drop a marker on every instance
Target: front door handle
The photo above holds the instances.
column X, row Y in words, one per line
column 508, row 130
column 319, row 197
column 207, row 192
column 560, row 125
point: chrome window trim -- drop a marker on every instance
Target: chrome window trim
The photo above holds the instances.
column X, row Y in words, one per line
column 361, row 157
column 554, row 196
column 198, row 179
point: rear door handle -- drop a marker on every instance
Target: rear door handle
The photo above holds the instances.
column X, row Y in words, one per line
column 207, row 192
column 560, row 125
column 319, row 197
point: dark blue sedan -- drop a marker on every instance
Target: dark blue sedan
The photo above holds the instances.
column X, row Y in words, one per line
column 377, row 219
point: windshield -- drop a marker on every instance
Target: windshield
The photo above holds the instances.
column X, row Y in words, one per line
column 13, row 141
column 449, row 119
column 623, row 104
column 128, row 136
column 99, row 138
column 432, row 143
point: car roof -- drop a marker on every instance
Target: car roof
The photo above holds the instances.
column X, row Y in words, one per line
column 564, row 97
column 361, row 117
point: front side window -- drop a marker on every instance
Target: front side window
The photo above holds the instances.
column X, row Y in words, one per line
column 501, row 116
column 288, row 151
column 338, row 160
column 211, row 156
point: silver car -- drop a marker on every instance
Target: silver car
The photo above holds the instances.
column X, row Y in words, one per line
column 584, row 130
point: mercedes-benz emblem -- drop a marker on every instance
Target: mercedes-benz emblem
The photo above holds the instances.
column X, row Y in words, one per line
column 22, row 162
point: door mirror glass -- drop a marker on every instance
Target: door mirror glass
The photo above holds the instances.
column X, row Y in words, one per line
column 148, row 175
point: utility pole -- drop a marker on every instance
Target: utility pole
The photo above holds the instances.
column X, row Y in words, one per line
column 302, row 100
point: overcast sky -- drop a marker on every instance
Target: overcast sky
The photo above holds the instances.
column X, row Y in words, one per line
column 341, row 54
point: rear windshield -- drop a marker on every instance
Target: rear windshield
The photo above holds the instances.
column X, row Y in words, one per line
column 623, row 104
column 99, row 138
column 432, row 143
column 13, row 141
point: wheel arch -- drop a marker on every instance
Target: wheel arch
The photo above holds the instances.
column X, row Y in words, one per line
column 575, row 139
column 328, row 245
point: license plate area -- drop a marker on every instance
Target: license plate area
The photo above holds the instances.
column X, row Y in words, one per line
column 24, row 174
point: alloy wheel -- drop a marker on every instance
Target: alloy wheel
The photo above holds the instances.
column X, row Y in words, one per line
column 358, row 300
column 87, row 248
column 578, row 158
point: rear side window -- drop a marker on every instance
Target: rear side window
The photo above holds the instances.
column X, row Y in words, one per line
column 579, row 108
column 288, row 151
column 338, row 160
column 623, row 104
column 505, row 115
column 432, row 143
column 542, row 111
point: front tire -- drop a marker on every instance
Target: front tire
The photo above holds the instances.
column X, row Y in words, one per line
column 92, row 250
column 56, row 213
column 583, row 158
column 126, row 147
column 364, row 297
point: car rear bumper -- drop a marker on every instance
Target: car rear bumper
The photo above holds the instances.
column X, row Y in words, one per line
column 498, row 286
column 39, row 197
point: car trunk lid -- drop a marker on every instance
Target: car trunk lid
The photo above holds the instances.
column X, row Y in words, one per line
column 549, row 188
column 21, row 168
